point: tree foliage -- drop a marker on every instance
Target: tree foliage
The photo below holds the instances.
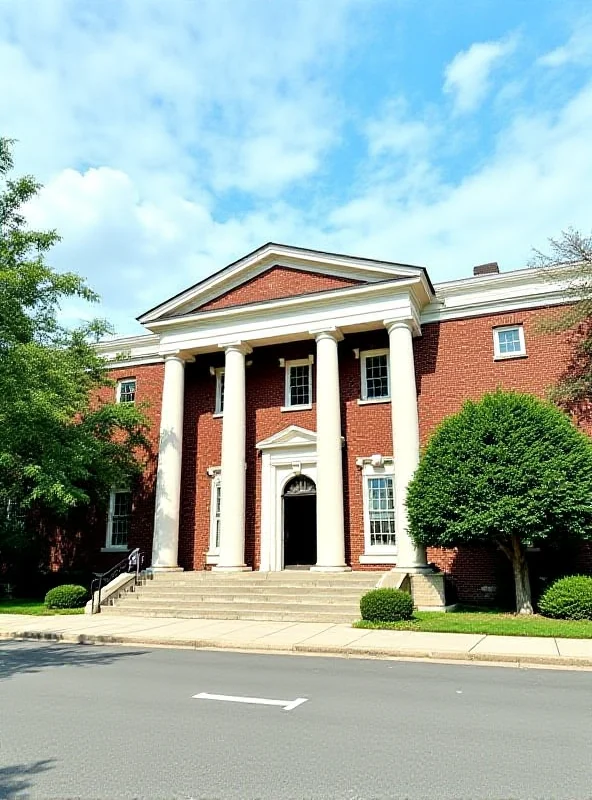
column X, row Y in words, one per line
column 59, row 446
column 509, row 469
column 569, row 263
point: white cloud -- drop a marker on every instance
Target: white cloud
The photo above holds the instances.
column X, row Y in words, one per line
column 172, row 143
column 534, row 184
column 577, row 50
column 468, row 76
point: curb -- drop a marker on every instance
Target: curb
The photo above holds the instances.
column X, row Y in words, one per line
column 448, row 656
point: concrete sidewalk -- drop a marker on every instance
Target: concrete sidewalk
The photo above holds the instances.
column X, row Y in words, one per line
column 297, row 637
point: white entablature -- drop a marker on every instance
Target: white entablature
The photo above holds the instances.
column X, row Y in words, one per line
column 384, row 291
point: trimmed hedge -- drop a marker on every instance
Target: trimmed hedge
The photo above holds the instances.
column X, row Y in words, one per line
column 386, row 605
column 568, row 598
column 67, row 596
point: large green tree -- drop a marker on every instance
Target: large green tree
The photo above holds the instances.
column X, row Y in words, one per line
column 509, row 470
column 59, row 446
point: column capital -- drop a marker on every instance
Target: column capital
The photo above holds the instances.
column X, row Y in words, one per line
column 239, row 347
column 411, row 324
column 178, row 355
column 327, row 332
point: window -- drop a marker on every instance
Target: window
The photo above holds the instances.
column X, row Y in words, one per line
column 375, row 375
column 215, row 507
column 381, row 511
column 219, row 407
column 508, row 342
column 298, row 384
column 119, row 520
column 126, row 391
column 380, row 542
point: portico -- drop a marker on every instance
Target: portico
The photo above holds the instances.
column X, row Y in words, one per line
column 377, row 297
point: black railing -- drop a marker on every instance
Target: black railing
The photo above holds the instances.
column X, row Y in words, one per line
column 131, row 563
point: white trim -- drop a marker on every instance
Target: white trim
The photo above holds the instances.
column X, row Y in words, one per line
column 218, row 374
column 364, row 355
column 497, row 354
column 376, row 466
column 374, row 401
column 273, row 255
column 284, row 455
column 300, row 362
column 377, row 558
column 109, row 546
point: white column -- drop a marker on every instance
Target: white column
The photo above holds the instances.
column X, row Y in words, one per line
column 405, row 420
column 233, row 473
column 330, row 530
column 165, row 544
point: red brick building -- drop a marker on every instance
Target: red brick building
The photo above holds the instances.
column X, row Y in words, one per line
column 289, row 394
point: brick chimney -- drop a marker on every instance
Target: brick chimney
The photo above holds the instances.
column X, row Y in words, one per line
column 492, row 268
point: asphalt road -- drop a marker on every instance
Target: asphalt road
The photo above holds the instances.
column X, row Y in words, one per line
column 102, row 722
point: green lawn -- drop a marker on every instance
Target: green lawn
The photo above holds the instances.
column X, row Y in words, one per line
column 35, row 607
column 487, row 622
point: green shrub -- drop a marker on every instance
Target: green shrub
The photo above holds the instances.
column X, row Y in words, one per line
column 568, row 598
column 386, row 605
column 67, row 596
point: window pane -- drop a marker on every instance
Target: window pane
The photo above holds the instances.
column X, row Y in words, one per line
column 127, row 391
column 120, row 522
column 376, row 376
column 299, row 386
column 381, row 511
column 509, row 341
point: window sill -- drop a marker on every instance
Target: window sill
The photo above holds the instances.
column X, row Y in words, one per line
column 212, row 558
column 374, row 400
column 307, row 407
column 116, row 549
column 510, row 356
column 218, row 415
column 378, row 558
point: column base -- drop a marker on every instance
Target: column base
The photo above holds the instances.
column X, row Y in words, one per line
column 164, row 569
column 320, row 568
column 416, row 569
column 243, row 568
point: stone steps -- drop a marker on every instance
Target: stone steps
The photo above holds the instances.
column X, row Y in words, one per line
column 290, row 596
column 136, row 600
column 289, row 592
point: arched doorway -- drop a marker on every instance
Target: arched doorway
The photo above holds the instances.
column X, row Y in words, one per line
column 300, row 522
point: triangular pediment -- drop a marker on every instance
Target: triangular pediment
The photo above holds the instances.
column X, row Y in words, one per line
column 293, row 436
column 275, row 272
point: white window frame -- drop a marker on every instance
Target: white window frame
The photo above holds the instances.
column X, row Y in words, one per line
column 497, row 354
column 364, row 355
column 377, row 553
column 118, row 390
column 109, row 546
column 219, row 375
column 301, row 362
column 213, row 553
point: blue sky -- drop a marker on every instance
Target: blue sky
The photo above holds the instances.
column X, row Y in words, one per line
column 172, row 138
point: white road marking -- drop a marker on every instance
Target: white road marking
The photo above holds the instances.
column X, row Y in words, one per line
column 286, row 705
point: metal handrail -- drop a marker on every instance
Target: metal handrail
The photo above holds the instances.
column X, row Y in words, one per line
column 131, row 563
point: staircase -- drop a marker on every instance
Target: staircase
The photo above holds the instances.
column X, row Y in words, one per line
column 289, row 596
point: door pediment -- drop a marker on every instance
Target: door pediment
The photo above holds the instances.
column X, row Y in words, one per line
column 291, row 437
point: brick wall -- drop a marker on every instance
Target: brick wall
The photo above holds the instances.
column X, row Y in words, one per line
column 275, row 283
column 454, row 361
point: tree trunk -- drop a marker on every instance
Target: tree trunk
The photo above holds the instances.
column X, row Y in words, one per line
column 521, row 578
